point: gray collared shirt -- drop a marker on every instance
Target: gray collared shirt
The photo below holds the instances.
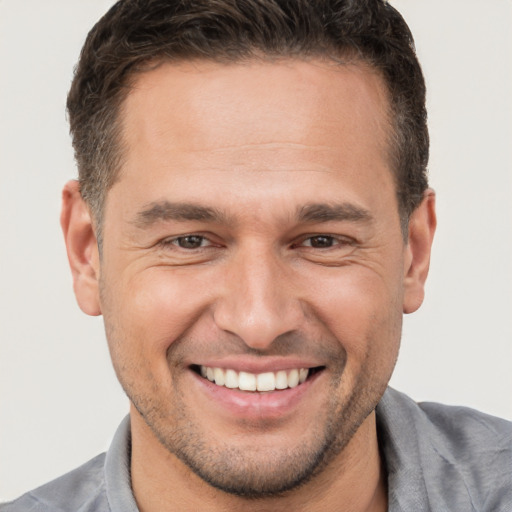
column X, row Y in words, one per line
column 438, row 459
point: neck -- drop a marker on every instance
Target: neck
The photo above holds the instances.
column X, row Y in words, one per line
column 353, row 481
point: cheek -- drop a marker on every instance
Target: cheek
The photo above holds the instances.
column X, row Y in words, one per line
column 151, row 310
column 362, row 309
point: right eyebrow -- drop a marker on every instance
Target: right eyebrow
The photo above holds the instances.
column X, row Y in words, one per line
column 166, row 211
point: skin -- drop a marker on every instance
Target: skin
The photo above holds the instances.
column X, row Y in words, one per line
column 257, row 144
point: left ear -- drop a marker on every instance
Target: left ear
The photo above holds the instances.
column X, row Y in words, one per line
column 422, row 225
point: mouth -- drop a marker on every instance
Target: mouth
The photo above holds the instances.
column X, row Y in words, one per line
column 256, row 382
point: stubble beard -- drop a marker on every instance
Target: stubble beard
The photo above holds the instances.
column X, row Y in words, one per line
column 246, row 472
column 239, row 471
column 269, row 475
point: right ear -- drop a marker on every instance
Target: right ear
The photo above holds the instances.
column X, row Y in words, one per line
column 82, row 248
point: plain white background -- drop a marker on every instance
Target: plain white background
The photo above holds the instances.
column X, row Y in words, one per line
column 60, row 401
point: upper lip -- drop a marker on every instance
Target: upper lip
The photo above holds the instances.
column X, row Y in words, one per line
column 263, row 365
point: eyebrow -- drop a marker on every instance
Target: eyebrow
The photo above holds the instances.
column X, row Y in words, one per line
column 166, row 211
column 321, row 212
column 309, row 213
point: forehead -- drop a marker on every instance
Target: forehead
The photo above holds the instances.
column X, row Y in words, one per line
column 190, row 123
column 202, row 103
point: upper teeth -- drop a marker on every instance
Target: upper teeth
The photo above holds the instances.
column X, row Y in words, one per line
column 245, row 381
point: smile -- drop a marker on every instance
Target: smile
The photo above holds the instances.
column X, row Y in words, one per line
column 245, row 381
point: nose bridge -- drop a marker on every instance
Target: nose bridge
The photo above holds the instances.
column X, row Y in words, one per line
column 258, row 303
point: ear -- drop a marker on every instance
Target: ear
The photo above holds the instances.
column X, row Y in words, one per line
column 422, row 225
column 82, row 248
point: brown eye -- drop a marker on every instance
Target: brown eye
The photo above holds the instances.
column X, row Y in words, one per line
column 190, row 242
column 320, row 241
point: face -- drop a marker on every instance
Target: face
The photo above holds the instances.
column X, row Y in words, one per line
column 253, row 274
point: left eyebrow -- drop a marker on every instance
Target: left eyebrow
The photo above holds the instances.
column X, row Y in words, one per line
column 167, row 211
column 322, row 212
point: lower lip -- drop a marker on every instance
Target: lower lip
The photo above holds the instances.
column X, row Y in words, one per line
column 253, row 405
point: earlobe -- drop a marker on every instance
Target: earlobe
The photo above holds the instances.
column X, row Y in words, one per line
column 82, row 248
column 422, row 226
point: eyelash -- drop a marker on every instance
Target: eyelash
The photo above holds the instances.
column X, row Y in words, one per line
column 331, row 240
column 335, row 241
column 176, row 242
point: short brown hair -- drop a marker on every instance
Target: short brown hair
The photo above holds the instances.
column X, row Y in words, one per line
column 136, row 33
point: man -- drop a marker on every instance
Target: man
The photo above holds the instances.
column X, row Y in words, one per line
column 252, row 220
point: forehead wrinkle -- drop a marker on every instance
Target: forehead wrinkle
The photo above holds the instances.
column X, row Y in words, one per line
column 167, row 211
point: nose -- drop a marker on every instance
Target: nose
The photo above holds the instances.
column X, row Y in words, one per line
column 259, row 300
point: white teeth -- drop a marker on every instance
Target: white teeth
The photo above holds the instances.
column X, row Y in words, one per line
column 245, row 381
column 266, row 382
column 281, row 380
column 219, row 376
column 231, row 380
column 293, row 378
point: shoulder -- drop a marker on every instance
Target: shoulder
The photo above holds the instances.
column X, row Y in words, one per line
column 469, row 433
column 81, row 490
column 460, row 433
column 464, row 456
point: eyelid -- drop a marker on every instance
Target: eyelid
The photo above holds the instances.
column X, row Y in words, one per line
column 340, row 240
column 172, row 241
column 175, row 240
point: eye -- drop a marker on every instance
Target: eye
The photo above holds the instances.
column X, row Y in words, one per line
column 320, row 241
column 189, row 241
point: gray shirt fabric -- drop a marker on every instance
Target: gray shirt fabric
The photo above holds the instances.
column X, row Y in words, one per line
column 438, row 458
